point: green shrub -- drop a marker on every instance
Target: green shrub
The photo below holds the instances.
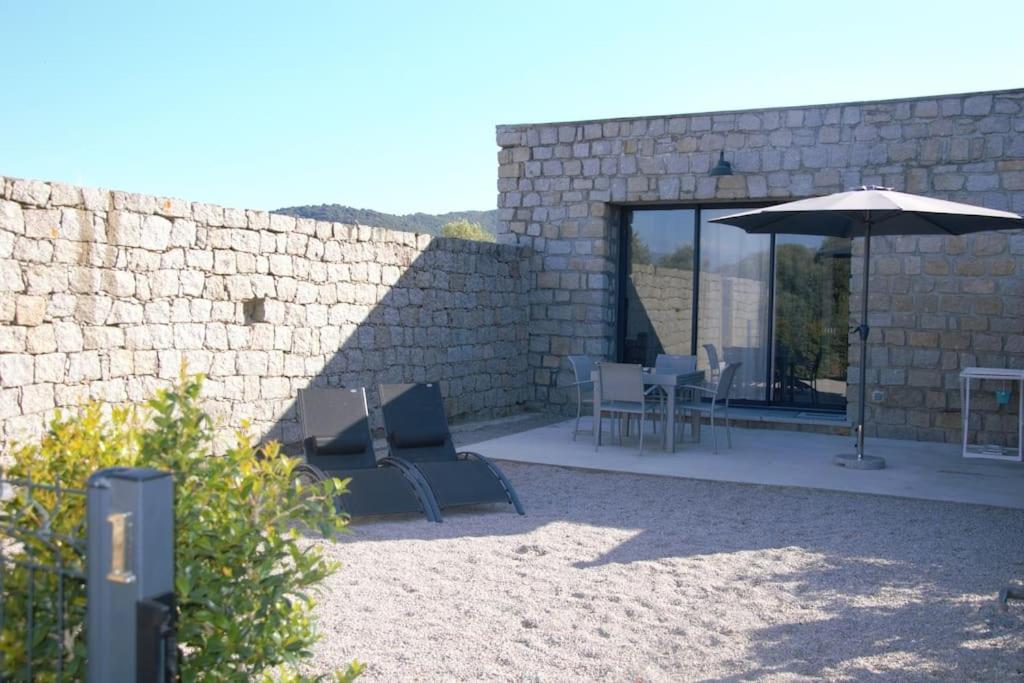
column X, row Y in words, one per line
column 243, row 573
column 465, row 230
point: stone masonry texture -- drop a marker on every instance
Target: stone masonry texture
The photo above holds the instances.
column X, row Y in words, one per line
column 937, row 304
column 105, row 294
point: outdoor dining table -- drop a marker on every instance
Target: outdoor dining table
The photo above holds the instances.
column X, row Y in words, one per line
column 670, row 382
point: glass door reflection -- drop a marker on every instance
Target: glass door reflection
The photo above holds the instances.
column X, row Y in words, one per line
column 735, row 276
column 812, row 310
column 659, row 285
column 778, row 304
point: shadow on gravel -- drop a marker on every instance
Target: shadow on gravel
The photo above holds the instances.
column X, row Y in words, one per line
column 990, row 643
column 887, row 572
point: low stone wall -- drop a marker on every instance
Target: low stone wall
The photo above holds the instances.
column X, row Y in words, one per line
column 732, row 311
column 733, row 317
column 105, row 295
column 665, row 303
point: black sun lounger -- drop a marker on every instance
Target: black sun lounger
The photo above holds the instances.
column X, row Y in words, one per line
column 418, row 435
column 337, row 443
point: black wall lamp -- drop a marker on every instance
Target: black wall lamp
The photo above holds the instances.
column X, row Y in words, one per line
column 723, row 167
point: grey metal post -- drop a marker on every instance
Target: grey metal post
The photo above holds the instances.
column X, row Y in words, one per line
column 130, row 558
column 859, row 461
column 864, row 331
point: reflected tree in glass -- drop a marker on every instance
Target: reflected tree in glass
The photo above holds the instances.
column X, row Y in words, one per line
column 811, row 312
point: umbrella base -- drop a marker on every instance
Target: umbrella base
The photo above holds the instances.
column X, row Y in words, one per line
column 851, row 462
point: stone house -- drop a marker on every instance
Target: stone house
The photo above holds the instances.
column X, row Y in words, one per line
column 625, row 264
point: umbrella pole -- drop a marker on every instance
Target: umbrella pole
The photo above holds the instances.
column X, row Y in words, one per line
column 863, row 329
column 858, row 460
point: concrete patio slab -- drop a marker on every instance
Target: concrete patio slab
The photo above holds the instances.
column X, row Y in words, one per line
column 929, row 471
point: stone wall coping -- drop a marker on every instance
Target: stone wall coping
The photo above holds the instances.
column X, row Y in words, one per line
column 48, row 194
column 504, row 127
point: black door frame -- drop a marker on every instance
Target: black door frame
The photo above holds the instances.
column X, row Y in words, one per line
column 622, row 303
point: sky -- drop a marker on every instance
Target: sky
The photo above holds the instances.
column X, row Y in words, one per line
column 392, row 105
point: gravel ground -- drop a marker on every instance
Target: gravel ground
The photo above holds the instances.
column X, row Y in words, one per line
column 632, row 578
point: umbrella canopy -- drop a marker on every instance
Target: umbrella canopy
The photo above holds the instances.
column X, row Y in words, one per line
column 863, row 213
column 847, row 214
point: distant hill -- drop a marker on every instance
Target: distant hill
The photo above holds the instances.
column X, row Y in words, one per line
column 413, row 222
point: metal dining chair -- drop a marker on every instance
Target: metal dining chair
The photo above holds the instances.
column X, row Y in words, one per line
column 714, row 364
column 622, row 393
column 582, row 368
column 719, row 401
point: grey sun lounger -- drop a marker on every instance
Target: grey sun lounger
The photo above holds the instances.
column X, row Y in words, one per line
column 337, row 443
column 418, row 435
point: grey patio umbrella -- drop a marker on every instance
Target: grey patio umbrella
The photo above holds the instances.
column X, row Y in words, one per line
column 865, row 212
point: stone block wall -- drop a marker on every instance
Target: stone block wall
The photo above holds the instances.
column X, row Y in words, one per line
column 105, row 294
column 562, row 186
column 938, row 305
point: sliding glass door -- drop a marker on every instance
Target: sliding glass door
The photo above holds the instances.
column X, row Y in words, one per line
column 778, row 304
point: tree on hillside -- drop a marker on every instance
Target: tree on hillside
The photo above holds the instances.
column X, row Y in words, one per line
column 639, row 252
column 464, row 230
column 414, row 222
column 680, row 259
